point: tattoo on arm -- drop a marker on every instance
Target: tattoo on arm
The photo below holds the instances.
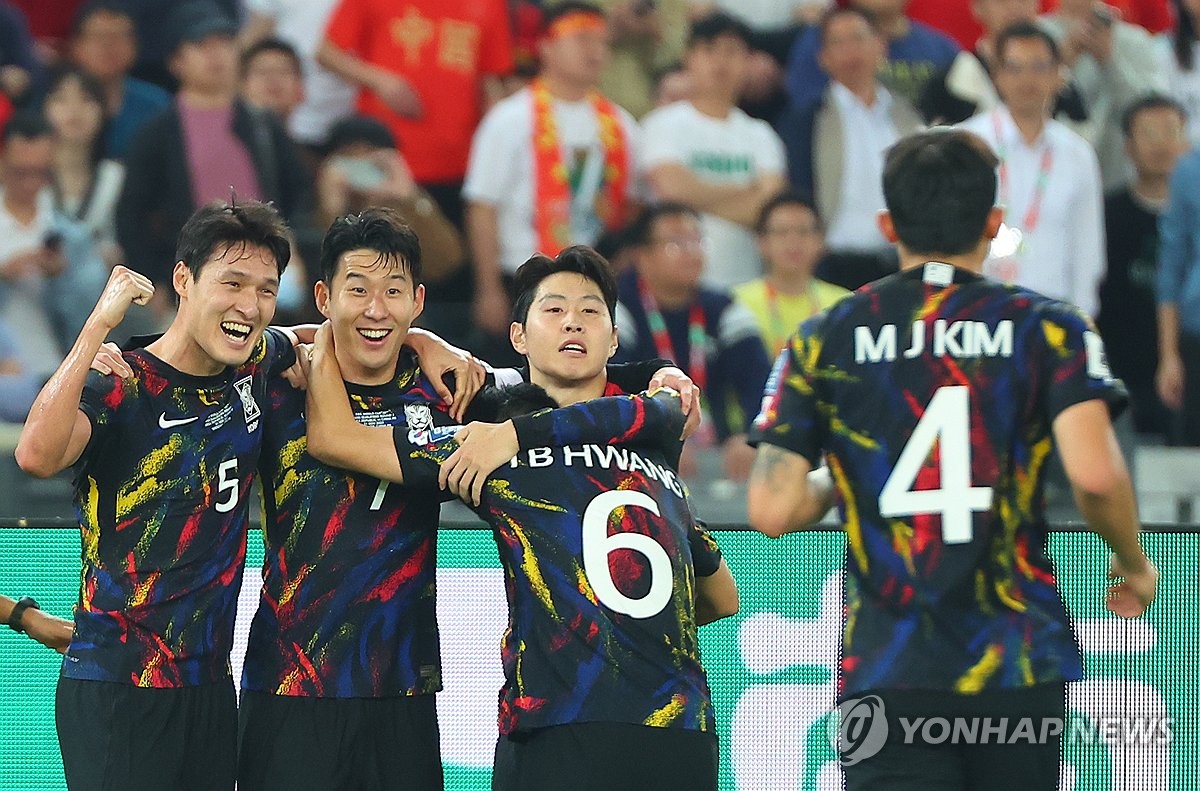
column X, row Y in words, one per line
column 771, row 467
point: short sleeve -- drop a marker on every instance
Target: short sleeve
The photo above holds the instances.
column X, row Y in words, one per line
column 658, row 143
column 769, row 156
column 1075, row 366
column 279, row 354
column 706, row 555
column 347, row 25
column 101, row 398
column 420, row 456
column 788, row 417
column 490, row 164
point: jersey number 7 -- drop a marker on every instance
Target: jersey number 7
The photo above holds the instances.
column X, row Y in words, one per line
column 947, row 422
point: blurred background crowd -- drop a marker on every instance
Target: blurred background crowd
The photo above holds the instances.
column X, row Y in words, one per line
column 726, row 156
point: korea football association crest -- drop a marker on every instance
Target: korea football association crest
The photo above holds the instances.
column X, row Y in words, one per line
column 244, row 388
column 421, row 431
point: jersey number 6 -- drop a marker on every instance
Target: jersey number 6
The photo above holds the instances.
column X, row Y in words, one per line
column 598, row 544
column 947, row 421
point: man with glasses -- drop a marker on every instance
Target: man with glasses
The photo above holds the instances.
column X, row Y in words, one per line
column 1049, row 178
column 664, row 311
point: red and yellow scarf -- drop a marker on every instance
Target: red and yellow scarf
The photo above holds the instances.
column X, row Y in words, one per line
column 552, row 188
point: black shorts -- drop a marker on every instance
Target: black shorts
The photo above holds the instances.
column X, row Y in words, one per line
column 942, row 741
column 603, row 756
column 327, row 744
column 118, row 737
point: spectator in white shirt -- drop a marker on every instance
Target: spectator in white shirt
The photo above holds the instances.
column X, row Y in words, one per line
column 550, row 166
column 1053, row 241
column 707, row 154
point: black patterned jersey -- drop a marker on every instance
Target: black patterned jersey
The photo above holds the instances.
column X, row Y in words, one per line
column 161, row 495
column 596, row 539
column 932, row 393
column 347, row 608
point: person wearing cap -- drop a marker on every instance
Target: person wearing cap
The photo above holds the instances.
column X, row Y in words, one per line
column 551, row 166
column 207, row 145
column 363, row 167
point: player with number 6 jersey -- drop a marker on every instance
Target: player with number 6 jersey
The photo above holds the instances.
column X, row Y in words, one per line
column 936, row 397
column 607, row 573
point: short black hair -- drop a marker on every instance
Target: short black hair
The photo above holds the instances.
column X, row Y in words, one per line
column 1150, row 101
column 712, row 26
column 559, row 10
column 1022, row 31
column 641, row 231
column 833, row 12
column 220, row 226
column 939, row 187
column 377, row 228
column 29, row 124
column 577, row 258
column 271, row 44
column 93, row 7
column 786, row 198
column 496, row 404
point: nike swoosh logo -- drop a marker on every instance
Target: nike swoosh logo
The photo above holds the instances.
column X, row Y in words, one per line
column 163, row 422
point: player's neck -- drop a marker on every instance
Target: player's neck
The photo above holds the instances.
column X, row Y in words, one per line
column 567, row 393
column 357, row 374
column 179, row 350
column 972, row 260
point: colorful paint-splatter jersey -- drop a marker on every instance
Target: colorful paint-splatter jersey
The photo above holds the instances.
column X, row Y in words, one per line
column 932, row 393
column 161, row 494
column 347, row 606
column 597, row 542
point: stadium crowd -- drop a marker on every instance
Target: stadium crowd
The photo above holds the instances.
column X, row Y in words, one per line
column 726, row 157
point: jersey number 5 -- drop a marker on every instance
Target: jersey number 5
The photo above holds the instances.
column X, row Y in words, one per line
column 947, row 421
column 598, row 544
column 227, row 481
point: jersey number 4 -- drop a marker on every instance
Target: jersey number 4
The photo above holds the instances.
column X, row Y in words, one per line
column 947, row 422
column 598, row 545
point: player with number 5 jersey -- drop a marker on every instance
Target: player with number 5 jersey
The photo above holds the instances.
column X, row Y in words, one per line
column 163, row 462
column 935, row 397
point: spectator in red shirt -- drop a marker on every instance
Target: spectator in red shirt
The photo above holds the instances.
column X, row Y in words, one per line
column 428, row 69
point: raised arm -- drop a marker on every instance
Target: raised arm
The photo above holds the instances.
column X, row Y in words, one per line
column 57, row 431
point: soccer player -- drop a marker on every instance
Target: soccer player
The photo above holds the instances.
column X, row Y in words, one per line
column 601, row 657
column 343, row 662
column 936, row 396
column 163, row 462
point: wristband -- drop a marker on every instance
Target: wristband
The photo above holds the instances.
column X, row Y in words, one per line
column 18, row 610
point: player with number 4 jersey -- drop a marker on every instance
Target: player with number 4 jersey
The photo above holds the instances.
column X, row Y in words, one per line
column 936, row 397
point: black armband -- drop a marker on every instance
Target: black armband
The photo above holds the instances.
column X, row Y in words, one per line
column 18, row 610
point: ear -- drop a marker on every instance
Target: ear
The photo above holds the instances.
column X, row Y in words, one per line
column 516, row 336
column 612, row 348
column 886, row 226
column 418, row 300
column 995, row 219
column 321, row 296
column 181, row 279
